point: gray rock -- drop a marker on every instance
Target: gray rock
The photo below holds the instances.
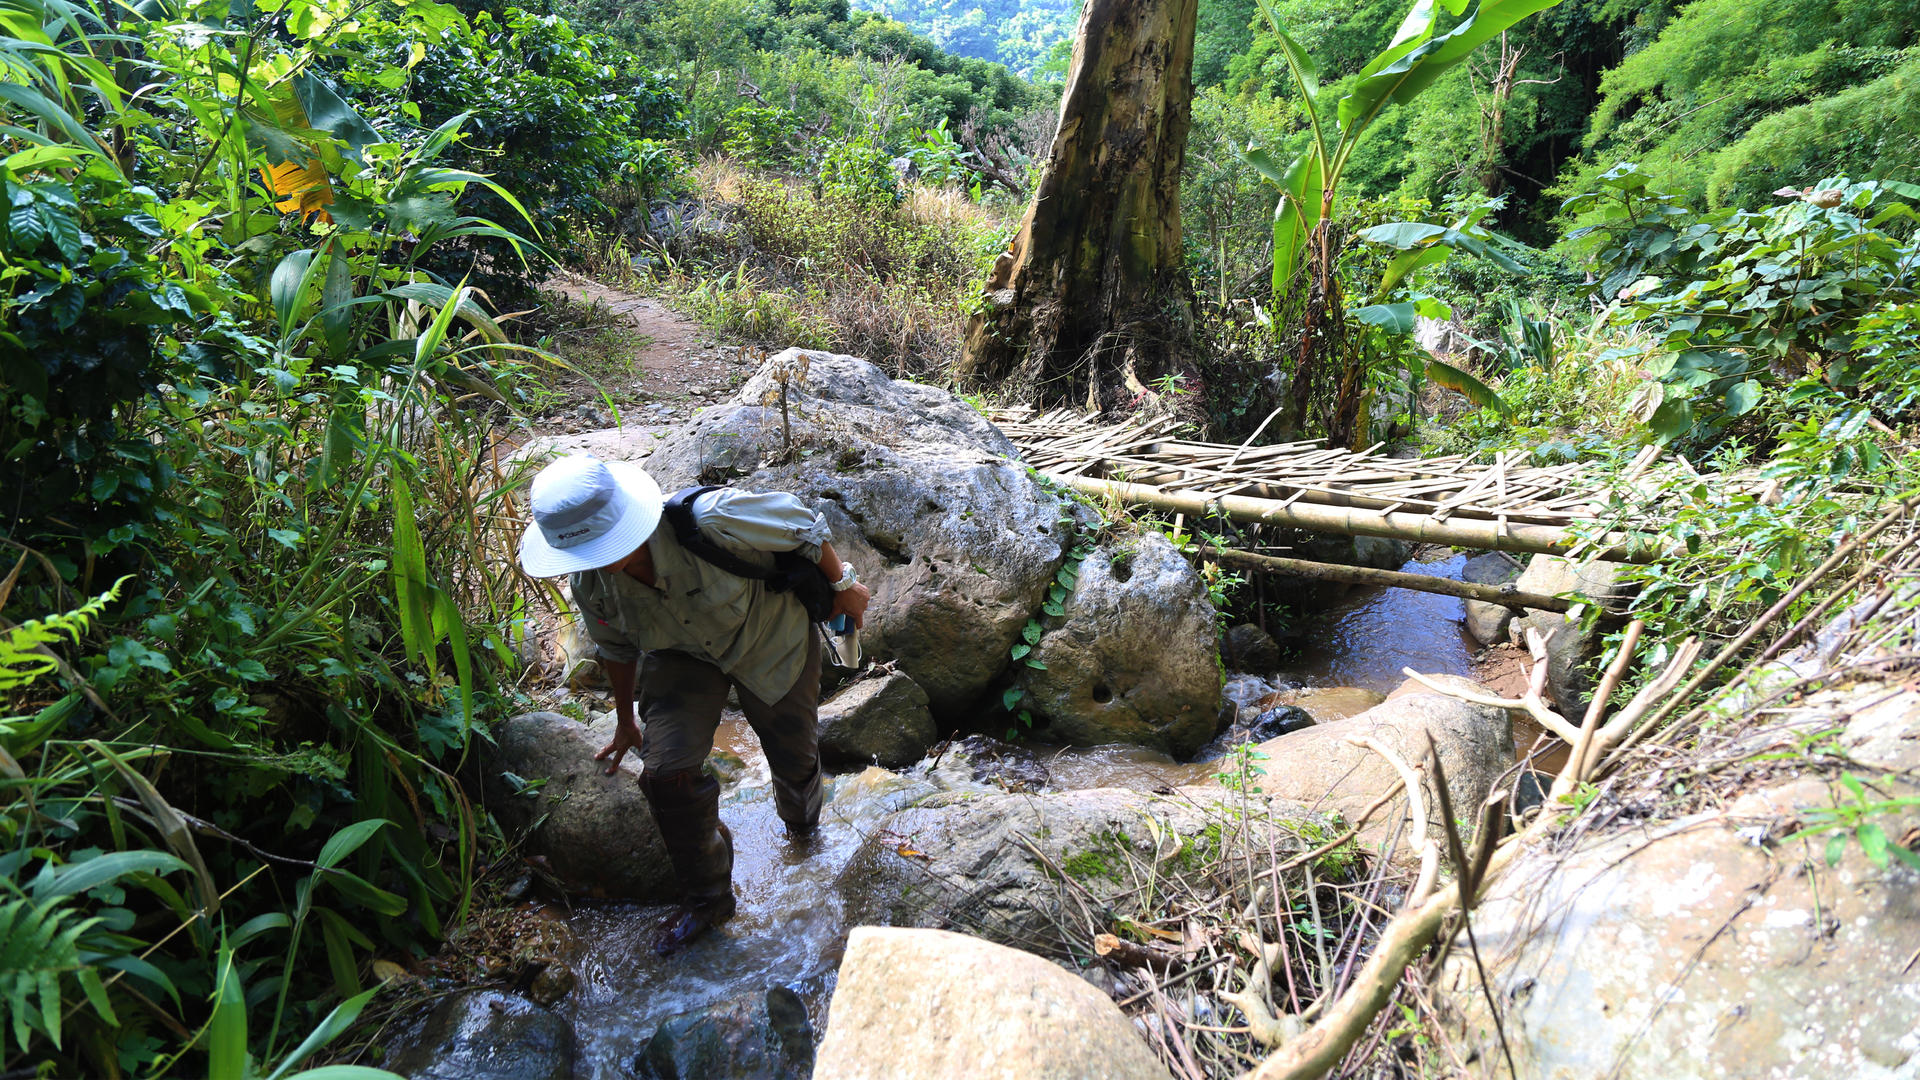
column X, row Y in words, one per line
column 1251, row 649
column 750, row 1038
column 1278, row 721
column 983, row 762
column 1245, row 692
column 1686, row 950
column 596, row 832
column 1319, row 767
column 967, row 860
column 956, row 543
column 921, row 1004
column 1256, row 726
column 487, row 1035
column 1487, row 623
column 860, row 394
column 1135, row 659
column 1572, row 649
column 877, row 721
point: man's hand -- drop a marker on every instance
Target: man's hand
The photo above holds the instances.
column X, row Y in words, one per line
column 626, row 736
column 852, row 602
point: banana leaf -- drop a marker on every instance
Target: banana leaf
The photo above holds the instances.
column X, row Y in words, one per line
column 1445, row 374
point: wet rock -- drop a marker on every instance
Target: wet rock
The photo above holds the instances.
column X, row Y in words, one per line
column 1487, row 623
column 487, row 1035
column 1572, row 649
column 594, row 833
column 1135, row 658
column 1251, row 649
column 1319, row 767
column 880, row 721
column 932, row 1004
column 959, row 546
column 967, row 860
column 750, row 1038
column 1246, row 691
column 553, row 982
column 982, row 760
column 1694, row 948
column 1277, row 721
column 1259, row 726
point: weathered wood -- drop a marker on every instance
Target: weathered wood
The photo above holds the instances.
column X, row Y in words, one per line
column 1504, row 595
column 1355, row 521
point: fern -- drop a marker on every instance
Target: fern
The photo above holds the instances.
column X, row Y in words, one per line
column 39, row 945
column 23, row 655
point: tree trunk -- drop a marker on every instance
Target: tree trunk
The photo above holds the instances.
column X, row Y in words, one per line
column 1091, row 304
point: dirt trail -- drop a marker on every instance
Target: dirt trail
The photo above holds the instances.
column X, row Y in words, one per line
column 677, row 366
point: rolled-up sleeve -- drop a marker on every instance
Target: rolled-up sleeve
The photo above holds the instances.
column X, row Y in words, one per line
column 761, row 521
column 597, row 615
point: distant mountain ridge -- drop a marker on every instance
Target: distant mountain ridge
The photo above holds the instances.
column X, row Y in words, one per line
column 1022, row 34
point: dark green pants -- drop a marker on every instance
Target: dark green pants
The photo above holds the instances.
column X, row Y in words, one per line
column 681, row 698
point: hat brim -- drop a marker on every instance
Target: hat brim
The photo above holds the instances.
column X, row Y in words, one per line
column 541, row 559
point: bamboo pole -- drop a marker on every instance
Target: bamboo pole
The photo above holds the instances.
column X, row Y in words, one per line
column 1504, row 595
column 1355, row 521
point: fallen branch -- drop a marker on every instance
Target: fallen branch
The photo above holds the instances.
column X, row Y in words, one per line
column 1125, row 953
column 1504, row 595
column 1417, row 810
column 1533, row 702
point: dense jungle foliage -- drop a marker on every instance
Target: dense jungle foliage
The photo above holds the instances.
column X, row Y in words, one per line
column 257, row 351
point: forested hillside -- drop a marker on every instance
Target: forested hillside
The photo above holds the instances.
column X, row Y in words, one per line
column 1029, row 36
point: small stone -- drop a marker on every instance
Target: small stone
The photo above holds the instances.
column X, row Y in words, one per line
column 1251, row 649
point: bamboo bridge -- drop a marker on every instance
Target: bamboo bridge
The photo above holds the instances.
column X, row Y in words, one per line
column 1502, row 505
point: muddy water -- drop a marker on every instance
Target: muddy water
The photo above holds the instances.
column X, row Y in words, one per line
column 790, row 928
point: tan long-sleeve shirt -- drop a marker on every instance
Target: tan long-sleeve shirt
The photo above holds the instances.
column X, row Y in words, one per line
column 754, row 635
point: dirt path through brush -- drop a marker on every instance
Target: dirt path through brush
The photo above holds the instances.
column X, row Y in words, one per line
column 676, row 366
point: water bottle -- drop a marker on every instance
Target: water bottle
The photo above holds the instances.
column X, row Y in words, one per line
column 842, row 643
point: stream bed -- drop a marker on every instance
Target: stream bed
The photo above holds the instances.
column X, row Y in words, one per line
column 790, row 928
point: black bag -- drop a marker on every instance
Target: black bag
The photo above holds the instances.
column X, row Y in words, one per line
column 792, row 572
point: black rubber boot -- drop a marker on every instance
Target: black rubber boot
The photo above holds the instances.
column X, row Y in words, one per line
column 686, row 806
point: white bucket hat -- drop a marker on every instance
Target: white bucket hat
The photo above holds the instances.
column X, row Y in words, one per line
column 587, row 513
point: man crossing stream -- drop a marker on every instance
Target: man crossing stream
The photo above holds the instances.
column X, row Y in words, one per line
column 725, row 595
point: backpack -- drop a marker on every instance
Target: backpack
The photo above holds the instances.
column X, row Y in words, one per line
column 792, row 572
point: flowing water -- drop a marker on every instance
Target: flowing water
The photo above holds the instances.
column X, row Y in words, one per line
column 790, row 928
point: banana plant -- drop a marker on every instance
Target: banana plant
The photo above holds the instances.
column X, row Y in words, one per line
column 1417, row 56
column 1302, row 239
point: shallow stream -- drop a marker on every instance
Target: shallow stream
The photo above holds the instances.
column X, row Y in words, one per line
column 790, row 928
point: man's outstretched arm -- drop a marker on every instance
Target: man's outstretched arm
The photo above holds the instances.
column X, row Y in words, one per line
column 624, row 674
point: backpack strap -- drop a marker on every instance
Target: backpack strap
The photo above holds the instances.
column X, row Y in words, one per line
column 679, row 514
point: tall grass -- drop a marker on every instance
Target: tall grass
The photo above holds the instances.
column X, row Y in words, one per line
column 776, row 264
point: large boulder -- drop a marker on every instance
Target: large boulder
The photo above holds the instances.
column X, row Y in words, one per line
column 1571, row 648
column 986, row 863
column 881, row 721
column 1487, row 623
column 1321, row 767
column 930, row 1005
column 957, row 542
column 1698, row 949
column 595, row 832
column 1134, row 658
column 486, row 1035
